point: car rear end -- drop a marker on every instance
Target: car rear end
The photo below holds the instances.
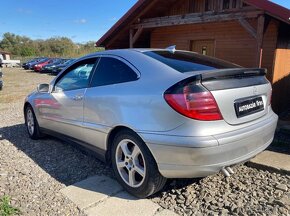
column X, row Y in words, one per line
column 227, row 113
column 37, row 68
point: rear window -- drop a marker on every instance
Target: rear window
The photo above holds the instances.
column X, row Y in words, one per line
column 188, row 62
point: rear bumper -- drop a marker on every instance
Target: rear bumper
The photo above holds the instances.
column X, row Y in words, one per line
column 184, row 161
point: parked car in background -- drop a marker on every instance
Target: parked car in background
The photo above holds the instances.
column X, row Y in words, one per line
column 24, row 65
column 30, row 65
column 60, row 67
column 38, row 67
column 157, row 113
column 49, row 67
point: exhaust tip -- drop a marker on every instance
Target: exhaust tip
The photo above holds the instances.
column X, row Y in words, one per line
column 225, row 172
column 230, row 170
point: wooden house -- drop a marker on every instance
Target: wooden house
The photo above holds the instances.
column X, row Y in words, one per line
column 251, row 33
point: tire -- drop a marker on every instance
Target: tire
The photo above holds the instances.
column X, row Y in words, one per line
column 32, row 124
column 145, row 177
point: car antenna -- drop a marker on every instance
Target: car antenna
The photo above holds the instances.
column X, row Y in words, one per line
column 171, row 49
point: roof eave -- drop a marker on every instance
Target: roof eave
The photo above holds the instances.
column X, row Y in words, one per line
column 117, row 25
column 272, row 9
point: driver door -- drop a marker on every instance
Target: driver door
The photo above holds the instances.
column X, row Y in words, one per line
column 64, row 111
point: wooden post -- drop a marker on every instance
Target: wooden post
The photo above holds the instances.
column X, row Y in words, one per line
column 260, row 35
column 131, row 38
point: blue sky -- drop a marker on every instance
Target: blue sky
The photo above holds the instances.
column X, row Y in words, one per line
column 82, row 21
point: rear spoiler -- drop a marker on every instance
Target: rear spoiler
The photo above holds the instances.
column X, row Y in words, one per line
column 233, row 73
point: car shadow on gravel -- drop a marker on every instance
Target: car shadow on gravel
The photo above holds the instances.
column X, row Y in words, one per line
column 281, row 142
column 176, row 185
column 66, row 163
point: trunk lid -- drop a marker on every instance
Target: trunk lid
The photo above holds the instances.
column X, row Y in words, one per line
column 242, row 95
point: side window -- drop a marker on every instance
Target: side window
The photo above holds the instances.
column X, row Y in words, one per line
column 77, row 76
column 112, row 71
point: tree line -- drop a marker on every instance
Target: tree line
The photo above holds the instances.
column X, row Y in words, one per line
column 53, row 47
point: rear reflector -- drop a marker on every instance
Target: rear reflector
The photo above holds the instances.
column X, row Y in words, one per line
column 193, row 101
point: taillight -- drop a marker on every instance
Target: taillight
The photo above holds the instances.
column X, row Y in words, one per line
column 193, row 100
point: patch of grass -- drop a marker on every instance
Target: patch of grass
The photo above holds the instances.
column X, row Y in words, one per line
column 6, row 209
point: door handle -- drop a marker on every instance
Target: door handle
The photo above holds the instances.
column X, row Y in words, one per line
column 78, row 97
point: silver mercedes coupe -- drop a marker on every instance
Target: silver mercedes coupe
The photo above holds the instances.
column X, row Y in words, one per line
column 155, row 114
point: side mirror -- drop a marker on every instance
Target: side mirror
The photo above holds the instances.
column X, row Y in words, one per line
column 43, row 88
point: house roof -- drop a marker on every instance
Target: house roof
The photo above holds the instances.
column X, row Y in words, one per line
column 270, row 8
column 4, row 52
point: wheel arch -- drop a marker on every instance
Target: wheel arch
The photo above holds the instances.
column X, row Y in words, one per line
column 26, row 104
column 111, row 137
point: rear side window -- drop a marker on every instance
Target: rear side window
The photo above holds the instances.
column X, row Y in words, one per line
column 112, row 71
column 188, row 62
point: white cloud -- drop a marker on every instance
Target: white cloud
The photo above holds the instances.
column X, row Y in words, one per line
column 22, row 10
column 81, row 21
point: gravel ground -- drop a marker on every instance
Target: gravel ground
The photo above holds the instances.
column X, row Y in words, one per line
column 33, row 172
column 248, row 192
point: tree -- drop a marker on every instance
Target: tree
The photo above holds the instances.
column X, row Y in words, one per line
column 52, row 47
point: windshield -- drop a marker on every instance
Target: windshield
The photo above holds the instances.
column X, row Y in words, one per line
column 188, row 61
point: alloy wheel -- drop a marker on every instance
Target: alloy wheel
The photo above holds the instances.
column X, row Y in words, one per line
column 30, row 121
column 130, row 163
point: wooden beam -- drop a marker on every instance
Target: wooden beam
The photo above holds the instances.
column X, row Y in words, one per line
column 194, row 18
column 248, row 27
column 137, row 35
column 134, row 36
column 231, row 4
column 260, row 36
column 267, row 22
column 216, row 6
column 241, row 3
column 131, row 44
